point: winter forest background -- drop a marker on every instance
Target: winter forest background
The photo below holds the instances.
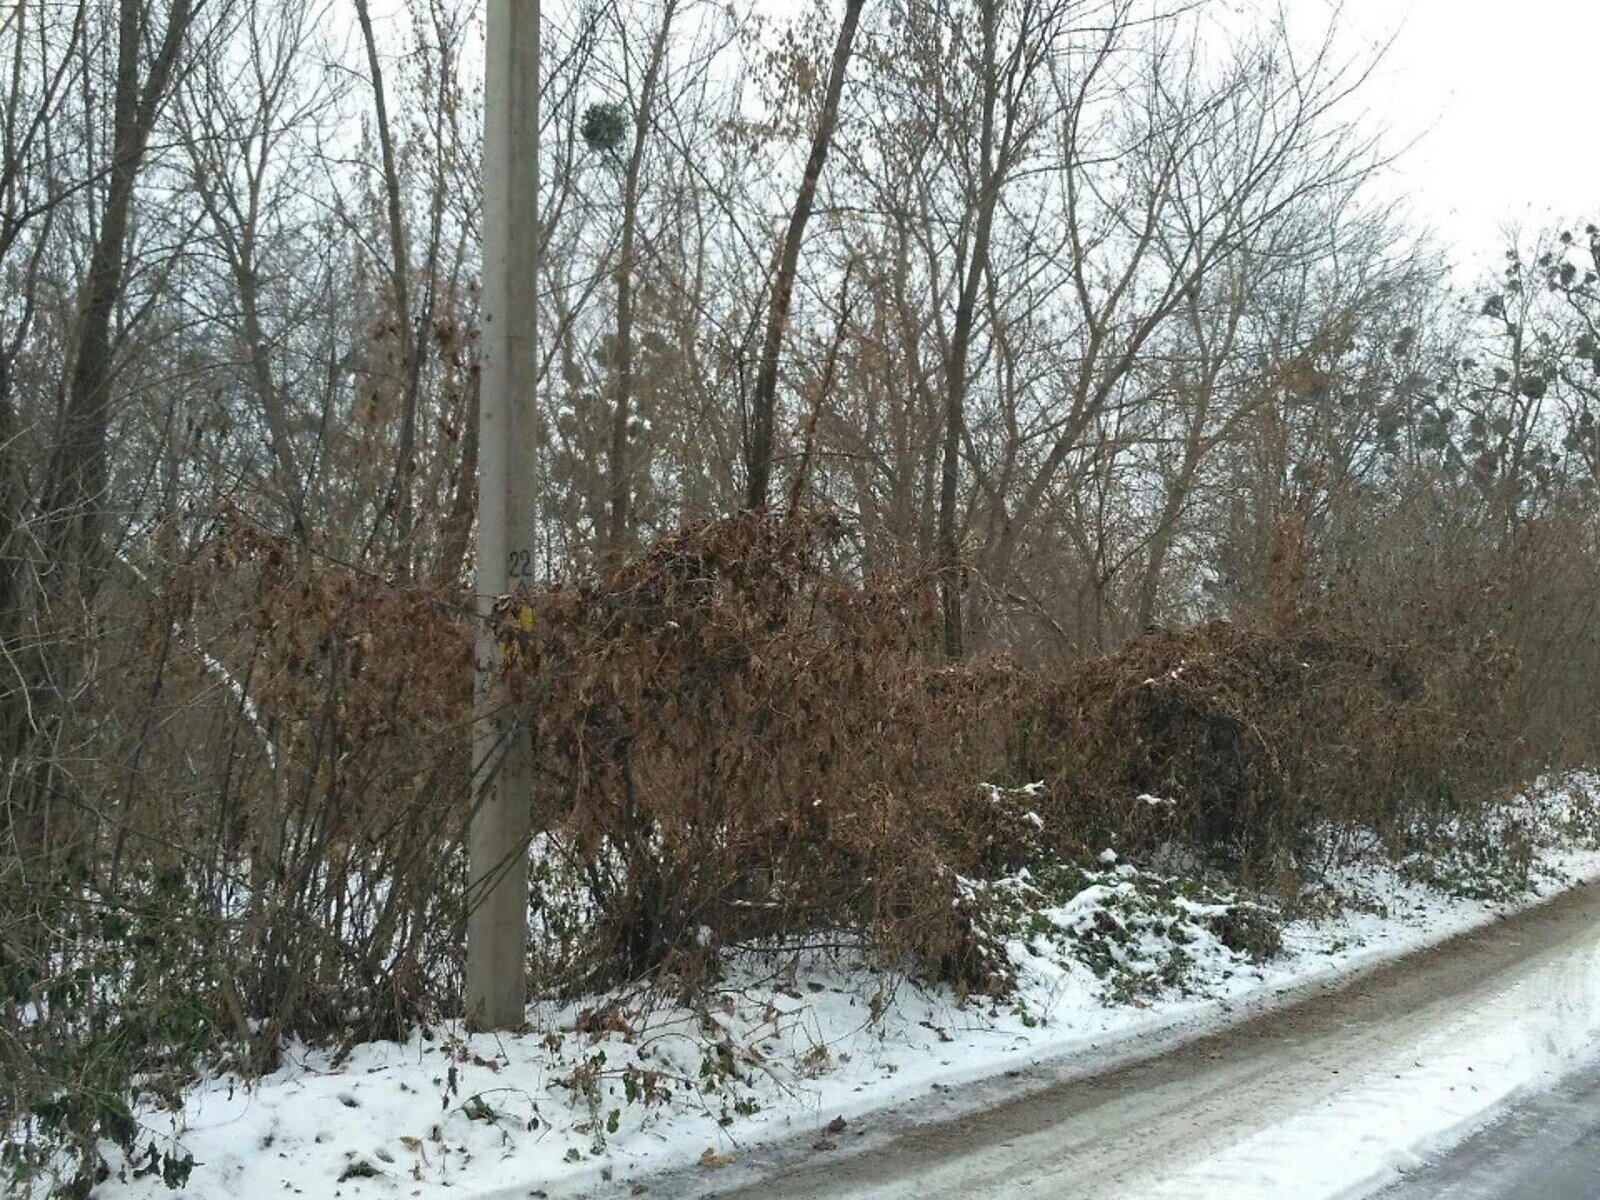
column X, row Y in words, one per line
column 1104, row 321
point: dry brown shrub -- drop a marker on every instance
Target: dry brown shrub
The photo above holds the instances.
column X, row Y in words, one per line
column 738, row 742
column 1253, row 743
column 340, row 841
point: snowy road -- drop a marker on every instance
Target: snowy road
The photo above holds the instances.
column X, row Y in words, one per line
column 1334, row 1096
column 1547, row 1147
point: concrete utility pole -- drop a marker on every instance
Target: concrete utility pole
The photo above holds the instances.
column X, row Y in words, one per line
column 502, row 758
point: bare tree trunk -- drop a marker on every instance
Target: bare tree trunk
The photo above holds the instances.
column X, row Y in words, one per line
column 74, row 552
column 77, row 478
column 291, row 482
column 824, row 386
column 622, row 406
column 763, row 405
column 956, row 368
column 11, row 510
column 397, row 505
column 19, row 816
column 1161, row 542
column 456, row 534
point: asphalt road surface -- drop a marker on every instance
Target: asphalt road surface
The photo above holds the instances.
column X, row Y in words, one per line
column 1546, row 1147
column 1129, row 1132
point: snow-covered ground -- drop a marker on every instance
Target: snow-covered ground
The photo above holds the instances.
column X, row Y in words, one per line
column 804, row 1043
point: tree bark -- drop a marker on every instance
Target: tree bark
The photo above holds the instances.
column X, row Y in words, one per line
column 73, row 490
column 456, row 534
column 622, row 405
column 397, row 505
column 948, row 546
column 764, row 402
column 77, row 478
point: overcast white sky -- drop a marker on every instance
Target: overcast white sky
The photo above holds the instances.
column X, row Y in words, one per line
column 1501, row 96
column 1491, row 100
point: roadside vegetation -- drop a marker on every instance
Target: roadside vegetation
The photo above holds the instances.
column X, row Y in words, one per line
column 743, row 748
column 1122, row 525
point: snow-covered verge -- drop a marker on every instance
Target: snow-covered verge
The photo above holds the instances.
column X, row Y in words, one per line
column 803, row 1042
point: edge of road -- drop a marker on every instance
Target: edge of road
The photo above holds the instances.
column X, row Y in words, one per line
column 965, row 1092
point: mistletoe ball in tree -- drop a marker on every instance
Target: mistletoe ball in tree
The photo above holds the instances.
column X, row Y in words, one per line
column 603, row 126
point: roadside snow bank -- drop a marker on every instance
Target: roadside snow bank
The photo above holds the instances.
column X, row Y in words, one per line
column 803, row 1042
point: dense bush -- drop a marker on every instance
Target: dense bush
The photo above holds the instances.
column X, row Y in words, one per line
column 261, row 845
column 735, row 742
column 336, row 851
column 1253, row 744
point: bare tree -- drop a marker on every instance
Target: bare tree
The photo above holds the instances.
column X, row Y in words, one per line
column 764, row 400
column 622, row 401
column 238, row 129
column 76, row 482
